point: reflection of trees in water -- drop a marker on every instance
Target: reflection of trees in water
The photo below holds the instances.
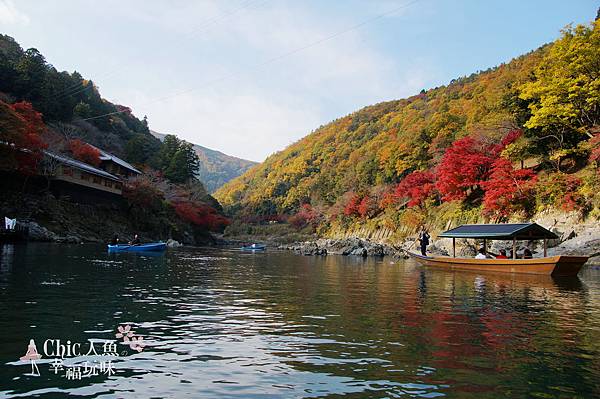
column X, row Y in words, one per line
column 6, row 257
column 360, row 319
column 480, row 332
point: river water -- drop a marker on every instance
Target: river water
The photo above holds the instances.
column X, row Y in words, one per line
column 223, row 323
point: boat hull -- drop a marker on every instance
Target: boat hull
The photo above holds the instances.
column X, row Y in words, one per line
column 152, row 247
column 560, row 265
column 256, row 248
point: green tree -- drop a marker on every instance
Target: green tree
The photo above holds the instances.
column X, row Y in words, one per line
column 565, row 94
column 179, row 162
column 82, row 110
column 141, row 148
column 168, row 149
column 31, row 70
column 183, row 165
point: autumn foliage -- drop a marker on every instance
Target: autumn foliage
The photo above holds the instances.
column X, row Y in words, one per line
column 200, row 215
column 367, row 207
column 351, row 207
column 84, row 152
column 464, row 167
column 417, row 187
column 305, row 216
column 595, row 149
column 143, row 193
column 508, row 191
column 21, row 127
column 472, row 169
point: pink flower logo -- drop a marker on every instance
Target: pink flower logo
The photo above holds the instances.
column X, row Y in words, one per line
column 125, row 333
column 135, row 342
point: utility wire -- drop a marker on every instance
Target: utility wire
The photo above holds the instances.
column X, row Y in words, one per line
column 273, row 59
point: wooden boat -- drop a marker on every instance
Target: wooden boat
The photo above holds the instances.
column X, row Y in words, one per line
column 559, row 265
column 149, row 247
column 254, row 247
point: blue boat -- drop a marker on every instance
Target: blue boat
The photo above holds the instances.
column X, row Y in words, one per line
column 150, row 247
column 254, row 247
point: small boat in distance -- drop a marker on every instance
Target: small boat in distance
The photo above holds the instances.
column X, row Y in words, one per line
column 559, row 265
column 152, row 246
column 254, row 247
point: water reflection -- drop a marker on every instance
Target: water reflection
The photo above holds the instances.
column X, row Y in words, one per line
column 229, row 324
column 6, row 256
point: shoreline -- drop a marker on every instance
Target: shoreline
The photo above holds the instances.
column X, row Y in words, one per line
column 584, row 244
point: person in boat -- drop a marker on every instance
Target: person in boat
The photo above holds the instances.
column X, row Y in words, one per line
column 481, row 254
column 114, row 240
column 501, row 255
column 424, row 240
column 527, row 254
column 135, row 241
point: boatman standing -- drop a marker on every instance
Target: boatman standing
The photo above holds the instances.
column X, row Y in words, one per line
column 424, row 239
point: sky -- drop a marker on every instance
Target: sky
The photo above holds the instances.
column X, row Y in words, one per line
column 250, row 77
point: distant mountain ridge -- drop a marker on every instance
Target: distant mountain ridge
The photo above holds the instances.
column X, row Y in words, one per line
column 216, row 168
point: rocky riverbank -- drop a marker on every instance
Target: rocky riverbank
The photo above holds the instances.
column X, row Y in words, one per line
column 51, row 219
column 576, row 237
column 357, row 247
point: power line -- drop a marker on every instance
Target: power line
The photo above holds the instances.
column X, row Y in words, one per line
column 274, row 59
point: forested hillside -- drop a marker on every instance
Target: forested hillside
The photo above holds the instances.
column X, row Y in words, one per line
column 215, row 168
column 42, row 109
column 498, row 144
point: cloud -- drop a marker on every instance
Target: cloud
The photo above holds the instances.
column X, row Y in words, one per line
column 9, row 15
column 242, row 124
column 247, row 77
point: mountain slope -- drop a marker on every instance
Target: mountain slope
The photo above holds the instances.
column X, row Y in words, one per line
column 216, row 168
column 372, row 163
column 379, row 144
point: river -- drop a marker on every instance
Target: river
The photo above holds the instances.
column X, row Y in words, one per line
column 209, row 322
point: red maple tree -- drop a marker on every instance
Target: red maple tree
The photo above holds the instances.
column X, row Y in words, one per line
column 306, row 215
column 200, row 215
column 367, row 207
column 351, row 207
column 508, row 191
column 509, row 138
column 84, row 152
column 29, row 143
column 465, row 165
column 417, row 187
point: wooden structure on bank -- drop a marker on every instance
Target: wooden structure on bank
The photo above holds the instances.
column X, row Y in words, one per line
column 560, row 265
column 83, row 182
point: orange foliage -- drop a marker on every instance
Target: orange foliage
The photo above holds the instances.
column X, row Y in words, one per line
column 84, row 152
column 29, row 142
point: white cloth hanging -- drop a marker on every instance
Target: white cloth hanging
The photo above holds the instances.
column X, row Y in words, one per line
column 10, row 224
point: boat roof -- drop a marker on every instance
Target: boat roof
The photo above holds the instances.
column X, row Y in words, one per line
column 503, row 231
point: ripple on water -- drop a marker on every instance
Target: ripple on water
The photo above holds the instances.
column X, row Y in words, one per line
column 222, row 324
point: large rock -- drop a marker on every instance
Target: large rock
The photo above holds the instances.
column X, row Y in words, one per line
column 171, row 243
column 347, row 247
column 360, row 251
column 39, row 233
